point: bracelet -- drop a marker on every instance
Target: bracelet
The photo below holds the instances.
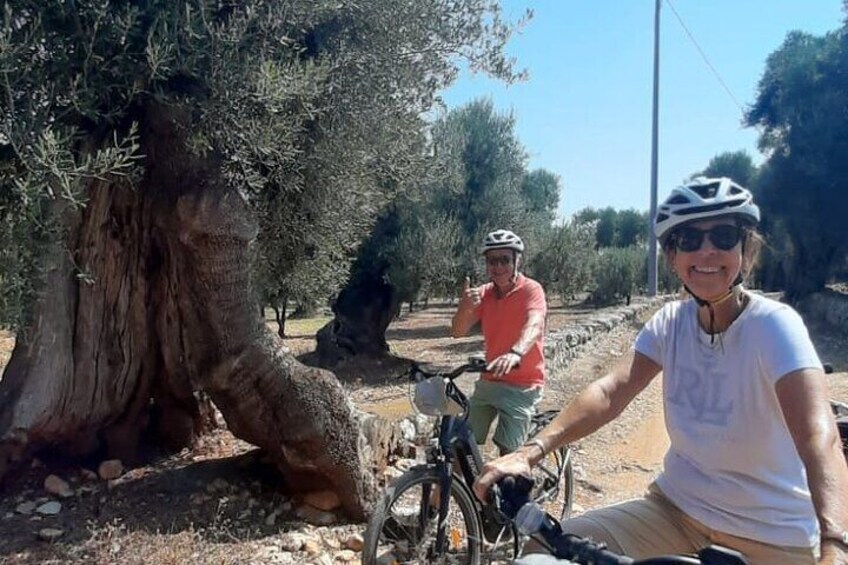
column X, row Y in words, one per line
column 837, row 537
column 538, row 443
column 514, row 351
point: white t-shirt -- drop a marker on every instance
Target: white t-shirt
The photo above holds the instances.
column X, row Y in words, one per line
column 732, row 464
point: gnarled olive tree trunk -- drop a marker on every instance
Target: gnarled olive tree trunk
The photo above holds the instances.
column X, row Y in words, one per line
column 149, row 296
column 362, row 313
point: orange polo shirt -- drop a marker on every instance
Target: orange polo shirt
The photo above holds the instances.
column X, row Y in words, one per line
column 503, row 318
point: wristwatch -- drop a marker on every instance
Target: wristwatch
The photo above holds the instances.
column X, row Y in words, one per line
column 841, row 537
column 514, row 351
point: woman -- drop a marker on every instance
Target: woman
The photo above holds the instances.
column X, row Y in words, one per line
column 755, row 461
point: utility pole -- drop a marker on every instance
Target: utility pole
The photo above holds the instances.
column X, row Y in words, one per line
column 652, row 241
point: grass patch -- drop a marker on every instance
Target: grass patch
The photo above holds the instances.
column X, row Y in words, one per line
column 305, row 326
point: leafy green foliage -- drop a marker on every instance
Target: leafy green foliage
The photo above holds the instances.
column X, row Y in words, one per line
column 800, row 108
column 565, row 265
column 616, row 274
column 312, row 109
column 616, row 228
column 737, row 165
column 475, row 181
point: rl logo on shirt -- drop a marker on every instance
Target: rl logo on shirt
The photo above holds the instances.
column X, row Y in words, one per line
column 701, row 393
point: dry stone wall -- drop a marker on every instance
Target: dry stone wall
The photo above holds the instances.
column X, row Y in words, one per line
column 567, row 343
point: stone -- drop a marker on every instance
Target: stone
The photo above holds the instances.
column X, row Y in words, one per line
column 331, row 540
column 406, row 464
column 391, row 473
column 25, row 508
column 323, row 559
column 50, row 534
column 407, row 429
column 59, row 487
column 354, row 542
column 88, row 474
column 271, row 519
column 323, row 500
column 345, row 556
column 49, row 508
column 314, row 516
column 110, row 470
column 312, row 547
column 292, row 542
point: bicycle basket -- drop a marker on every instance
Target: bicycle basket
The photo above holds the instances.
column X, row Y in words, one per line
column 431, row 398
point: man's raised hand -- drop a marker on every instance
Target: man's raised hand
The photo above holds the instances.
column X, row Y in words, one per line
column 471, row 296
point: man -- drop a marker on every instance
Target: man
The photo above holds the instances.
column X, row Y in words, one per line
column 511, row 310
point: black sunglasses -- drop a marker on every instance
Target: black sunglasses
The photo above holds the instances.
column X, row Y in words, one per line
column 503, row 260
column 722, row 236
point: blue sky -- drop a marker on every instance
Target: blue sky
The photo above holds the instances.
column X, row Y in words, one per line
column 585, row 112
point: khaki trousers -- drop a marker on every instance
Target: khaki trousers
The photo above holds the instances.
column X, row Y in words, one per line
column 652, row 526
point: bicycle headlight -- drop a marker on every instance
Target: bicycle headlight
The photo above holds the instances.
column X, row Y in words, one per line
column 431, row 398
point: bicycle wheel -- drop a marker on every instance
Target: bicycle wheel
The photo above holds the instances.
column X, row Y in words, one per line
column 404, row 524
column 553, row 487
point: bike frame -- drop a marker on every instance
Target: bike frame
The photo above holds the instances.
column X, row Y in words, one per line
column 455, row 441
column 455, row 455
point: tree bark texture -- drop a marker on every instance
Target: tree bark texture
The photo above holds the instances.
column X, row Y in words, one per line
column 150, row 297
column 362, row 313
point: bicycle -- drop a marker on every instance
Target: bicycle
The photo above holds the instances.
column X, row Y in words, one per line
column 429, row 514
column 512, row 497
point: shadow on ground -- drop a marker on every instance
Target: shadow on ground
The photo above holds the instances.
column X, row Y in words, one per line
column 224, row 500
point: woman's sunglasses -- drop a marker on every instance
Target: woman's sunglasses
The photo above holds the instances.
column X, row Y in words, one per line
column 722, row 236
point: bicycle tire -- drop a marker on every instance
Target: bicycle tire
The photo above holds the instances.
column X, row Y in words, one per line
column 400, row 531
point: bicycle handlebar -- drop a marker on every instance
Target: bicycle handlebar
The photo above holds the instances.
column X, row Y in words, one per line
column 416, row 372
column 512, row 497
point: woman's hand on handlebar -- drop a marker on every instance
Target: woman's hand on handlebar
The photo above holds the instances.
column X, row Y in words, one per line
column 510, row 465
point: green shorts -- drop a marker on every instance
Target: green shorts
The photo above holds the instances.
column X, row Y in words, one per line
column 514, row 407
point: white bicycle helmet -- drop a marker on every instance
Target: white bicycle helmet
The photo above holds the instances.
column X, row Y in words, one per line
column 703, row 198
column 502, row 239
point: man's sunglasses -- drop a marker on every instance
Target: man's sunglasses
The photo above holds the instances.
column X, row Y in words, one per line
column 503, row 261
column 722, row 236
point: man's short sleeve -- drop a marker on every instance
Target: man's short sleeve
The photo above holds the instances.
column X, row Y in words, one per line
column 536, row 297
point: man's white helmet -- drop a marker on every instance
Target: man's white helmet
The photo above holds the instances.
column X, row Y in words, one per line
column 502, row 239
column 703, row 198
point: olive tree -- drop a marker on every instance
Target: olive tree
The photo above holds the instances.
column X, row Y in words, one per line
column 150, row 152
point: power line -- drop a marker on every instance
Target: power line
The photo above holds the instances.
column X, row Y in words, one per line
column 705, row 58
